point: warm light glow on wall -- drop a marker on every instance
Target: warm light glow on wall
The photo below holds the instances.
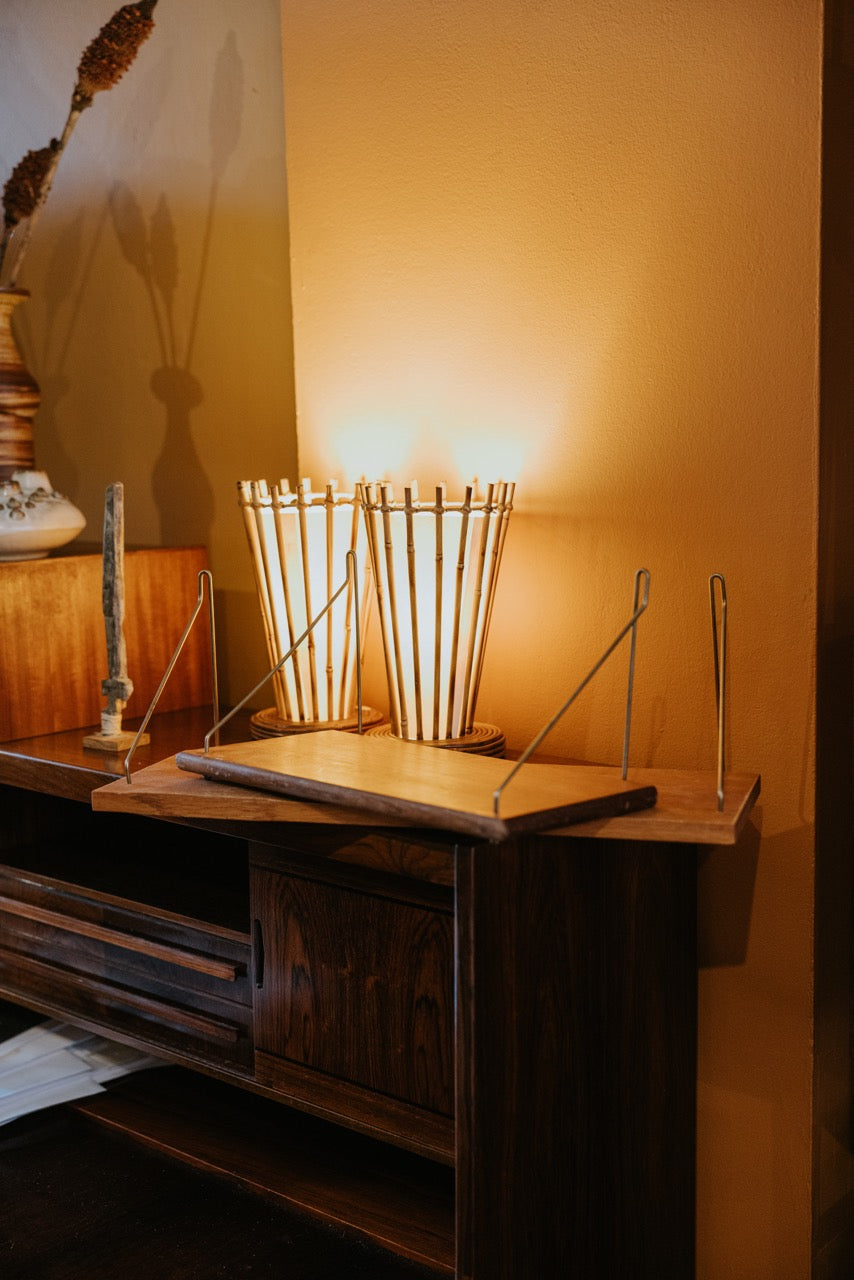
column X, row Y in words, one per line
column 391, row 449
column 507, row 452
column 371, row 446
column 299, row 543
column 435, row 566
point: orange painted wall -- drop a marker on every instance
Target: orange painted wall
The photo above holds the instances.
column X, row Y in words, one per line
column 580, row 243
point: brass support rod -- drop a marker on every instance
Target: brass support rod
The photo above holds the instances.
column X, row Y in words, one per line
column 719, row 651
column 631, row 683
column 351, row 563
column 204, row 576
column 546, row 730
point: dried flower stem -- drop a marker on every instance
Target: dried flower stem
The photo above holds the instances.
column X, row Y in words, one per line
column 102, row 64
column 73, row 116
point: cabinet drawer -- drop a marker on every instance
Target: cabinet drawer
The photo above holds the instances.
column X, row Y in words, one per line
column 355, row 987
column 171, row 982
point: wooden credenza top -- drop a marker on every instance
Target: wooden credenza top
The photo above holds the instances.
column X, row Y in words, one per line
column 686, row 811
column 58, row 763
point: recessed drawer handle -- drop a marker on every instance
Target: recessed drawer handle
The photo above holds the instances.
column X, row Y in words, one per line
column 128, row 942
column 258, row 952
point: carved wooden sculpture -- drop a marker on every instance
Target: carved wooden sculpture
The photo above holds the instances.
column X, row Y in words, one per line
column 118, row 686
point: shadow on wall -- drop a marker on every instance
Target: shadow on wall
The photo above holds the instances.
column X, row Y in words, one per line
column 53, row 346
column 182, row 492
column 726, row 884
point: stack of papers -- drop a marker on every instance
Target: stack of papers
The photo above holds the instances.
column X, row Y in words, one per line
column 55, row 1062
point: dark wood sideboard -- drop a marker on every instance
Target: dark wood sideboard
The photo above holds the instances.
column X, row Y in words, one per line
column 481, row 1056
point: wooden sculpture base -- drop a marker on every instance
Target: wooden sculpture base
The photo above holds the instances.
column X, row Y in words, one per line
column 114, row 742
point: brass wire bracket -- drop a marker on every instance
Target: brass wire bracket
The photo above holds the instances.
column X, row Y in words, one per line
column 205, row 576
column 352, row 578
column 719, row 652
column 640, row 602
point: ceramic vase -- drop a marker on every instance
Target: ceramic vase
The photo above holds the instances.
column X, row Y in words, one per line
column 34, row 518
column 19, row 394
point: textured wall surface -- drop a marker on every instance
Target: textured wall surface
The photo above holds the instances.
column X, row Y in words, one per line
column 579, row 244
column 159, row 325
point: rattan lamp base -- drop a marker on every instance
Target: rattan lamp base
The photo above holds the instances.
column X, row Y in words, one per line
column 269, row 724
column 483, row 740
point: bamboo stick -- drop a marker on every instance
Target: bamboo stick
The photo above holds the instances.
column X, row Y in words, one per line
column 499, row 527
column 309, row 613
column 280, row 508
column 437, row 656
column 491, row 572
column 466, row 716
column 366, row 494
column 409, row 512
column 244, row 490
column 385, row 508
column 345, row 701
column 458, row 596
column 505, row 508
column 365, row 604
column 260, row 500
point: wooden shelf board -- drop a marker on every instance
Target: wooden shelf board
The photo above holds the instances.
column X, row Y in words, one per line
column 449, row 790
column 685, row 812
column 397, row 1200
column 165, row 791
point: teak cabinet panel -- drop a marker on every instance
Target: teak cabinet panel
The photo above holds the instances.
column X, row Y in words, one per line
column 174, row 983
column 357, row 986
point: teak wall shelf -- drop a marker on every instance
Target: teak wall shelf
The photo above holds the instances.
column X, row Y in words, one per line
column 481, row 1055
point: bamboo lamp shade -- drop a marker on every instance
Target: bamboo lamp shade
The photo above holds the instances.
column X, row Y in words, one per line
column 435, row 568
column 298, row 541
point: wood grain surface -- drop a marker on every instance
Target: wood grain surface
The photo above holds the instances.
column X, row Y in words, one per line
column 164, row 791
column 685, row 812
column 53, row 655
column 576, row 1060
column 83, row 1201
column 379, row 1193
column 450, row 790
column 358, row 987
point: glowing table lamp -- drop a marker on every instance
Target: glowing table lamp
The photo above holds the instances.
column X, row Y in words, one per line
column 435, row 568
column 299, row 543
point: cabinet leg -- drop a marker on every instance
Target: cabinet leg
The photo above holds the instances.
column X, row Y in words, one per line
column 576, row 1060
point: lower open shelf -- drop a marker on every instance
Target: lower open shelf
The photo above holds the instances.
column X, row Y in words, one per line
column 391, row 1197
